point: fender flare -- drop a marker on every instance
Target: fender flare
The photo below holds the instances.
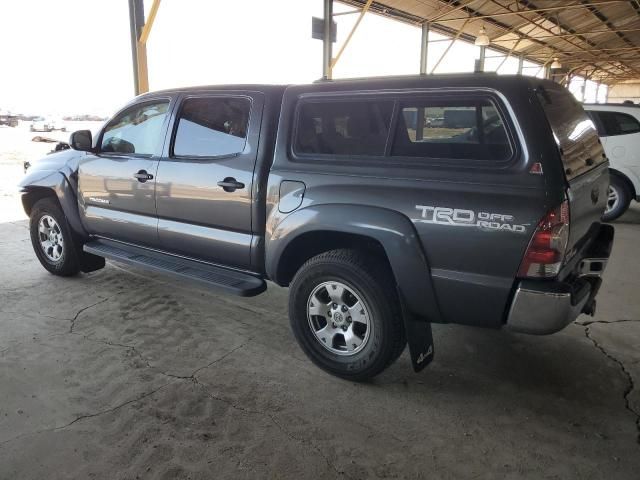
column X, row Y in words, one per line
column 392, row 230
column 60, row 185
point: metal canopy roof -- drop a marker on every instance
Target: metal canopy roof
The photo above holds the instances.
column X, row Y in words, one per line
column 599, row 39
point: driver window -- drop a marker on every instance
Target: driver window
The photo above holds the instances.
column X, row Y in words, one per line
column 465, row 129
column 137, row 130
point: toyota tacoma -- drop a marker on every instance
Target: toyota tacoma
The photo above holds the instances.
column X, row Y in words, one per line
column 384, row 204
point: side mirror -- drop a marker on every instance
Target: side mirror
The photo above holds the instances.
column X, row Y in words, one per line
column 81, row 140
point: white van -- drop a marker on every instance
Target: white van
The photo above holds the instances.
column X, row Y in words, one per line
column 619, row 129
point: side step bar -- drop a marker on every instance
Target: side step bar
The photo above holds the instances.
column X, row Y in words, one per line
column 230, row 281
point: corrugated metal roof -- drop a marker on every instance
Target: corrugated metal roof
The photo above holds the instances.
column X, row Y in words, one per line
column 596, row 38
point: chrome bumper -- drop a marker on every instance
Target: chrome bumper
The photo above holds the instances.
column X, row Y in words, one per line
column 542, row 307
column 541, row 312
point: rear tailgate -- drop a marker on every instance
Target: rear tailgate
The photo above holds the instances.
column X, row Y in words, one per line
column 585, row 165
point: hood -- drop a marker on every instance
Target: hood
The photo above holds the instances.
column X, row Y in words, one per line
column 58, row 161
column 65, row 162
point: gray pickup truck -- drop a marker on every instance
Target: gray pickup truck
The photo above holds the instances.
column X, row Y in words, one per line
column 384, row 204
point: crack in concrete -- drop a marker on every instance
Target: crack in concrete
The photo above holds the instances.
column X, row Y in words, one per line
column 113, row 409
column 89, row 415
column 630, row 383
column 84, row 309
column 272, row 418
column 133, row 348
column 176, row 379
column 121, row 345
column 591, row 322
column 195, row 372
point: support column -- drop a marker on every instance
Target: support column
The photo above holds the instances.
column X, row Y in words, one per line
column 520, row 64
column 136, row 22
column 326, row 40
column 481, row 60
column 424, row 48
column 598, row 91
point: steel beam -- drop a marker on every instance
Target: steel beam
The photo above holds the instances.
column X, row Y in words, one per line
column 139, row 34
column 453, row 40
column 563, row 8
column 353, row 30
column 566, row 35
column 146, row 29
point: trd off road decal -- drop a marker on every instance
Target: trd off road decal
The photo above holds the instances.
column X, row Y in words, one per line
column 460, row 217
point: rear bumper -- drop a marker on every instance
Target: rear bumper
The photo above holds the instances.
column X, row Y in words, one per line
column 543, row 307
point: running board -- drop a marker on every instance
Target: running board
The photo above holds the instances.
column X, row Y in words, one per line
column 230, row 281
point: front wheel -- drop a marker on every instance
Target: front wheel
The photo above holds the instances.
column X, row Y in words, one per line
column 618, row 199
column 345, row 314
column 52, row 240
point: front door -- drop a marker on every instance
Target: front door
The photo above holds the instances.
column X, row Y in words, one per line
column 205, row 178
column 117, row 184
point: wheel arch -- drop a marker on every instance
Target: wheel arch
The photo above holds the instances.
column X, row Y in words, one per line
column 31, row 195
column 627, row 181
column 314, row 242
column 57, row 186
column 315, row 229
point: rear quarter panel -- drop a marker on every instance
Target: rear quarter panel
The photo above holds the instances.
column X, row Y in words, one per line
column 472, row 267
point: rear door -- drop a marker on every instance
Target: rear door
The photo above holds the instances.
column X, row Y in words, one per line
column 583, row 159
column 205, row 178
column 117, row 183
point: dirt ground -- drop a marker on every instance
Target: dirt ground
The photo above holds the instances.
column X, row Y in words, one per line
column 123, row 375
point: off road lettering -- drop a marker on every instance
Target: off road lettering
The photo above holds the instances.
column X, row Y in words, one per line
column 468, row 218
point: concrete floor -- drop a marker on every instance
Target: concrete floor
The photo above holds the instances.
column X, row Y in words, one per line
column 118, row 375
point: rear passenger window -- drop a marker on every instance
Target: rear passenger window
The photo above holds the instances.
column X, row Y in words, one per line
column 616, row 123
column 452, row 129
column 343, row 128
column 212, row 127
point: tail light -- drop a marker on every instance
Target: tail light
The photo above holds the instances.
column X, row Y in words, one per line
column 548, row 245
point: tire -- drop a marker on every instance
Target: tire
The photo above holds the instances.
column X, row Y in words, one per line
column 618, row 200
column 360, row 347
column 60, row 255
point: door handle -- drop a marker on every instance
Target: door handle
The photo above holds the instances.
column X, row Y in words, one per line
column 230, row 184
column 142, row 176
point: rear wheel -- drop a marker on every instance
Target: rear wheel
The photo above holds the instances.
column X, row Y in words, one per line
column 52, row 239
column 618, row 199
column 344, row 312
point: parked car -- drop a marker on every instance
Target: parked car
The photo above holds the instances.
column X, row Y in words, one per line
column 323, row 189
column 58, row 124
column 42, row 124
column 619, row 129
column 6, row 118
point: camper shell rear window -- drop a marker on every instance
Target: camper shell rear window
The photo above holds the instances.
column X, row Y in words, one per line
column 574, row 131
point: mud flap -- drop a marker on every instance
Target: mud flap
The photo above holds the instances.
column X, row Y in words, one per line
column 90, row 262
column 419, row 338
